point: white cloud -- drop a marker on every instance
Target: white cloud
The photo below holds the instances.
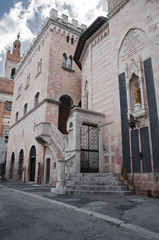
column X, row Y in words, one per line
column 20, row 19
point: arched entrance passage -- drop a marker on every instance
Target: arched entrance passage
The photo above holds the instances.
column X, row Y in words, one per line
column 20, row 168
column 32, row 162
column 12, row 165
column 64, row 111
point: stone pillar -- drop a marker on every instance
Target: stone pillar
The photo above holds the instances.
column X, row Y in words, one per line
column 127, row 89
column 61, row 174
column 141, row 80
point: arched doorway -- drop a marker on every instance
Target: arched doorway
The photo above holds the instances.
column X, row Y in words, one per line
column 12, row 165
column 47, row 171
column 64, row 112
column 20, row 168
column 32, row 163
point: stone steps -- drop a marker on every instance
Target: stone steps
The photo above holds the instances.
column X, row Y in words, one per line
column 93, row 183
column 97, row 188
column 92, row 192
column 98, row 183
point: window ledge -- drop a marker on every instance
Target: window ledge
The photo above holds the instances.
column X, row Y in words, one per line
column 68, row 69
column 138, row 112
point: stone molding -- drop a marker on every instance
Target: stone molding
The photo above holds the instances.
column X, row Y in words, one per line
column 89, row 112
column 117, row 8
column 46, row 100
column 6, row 97
column 94, row 40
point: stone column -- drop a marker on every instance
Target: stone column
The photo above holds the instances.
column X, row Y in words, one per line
column 141, row 80
column 61, row 174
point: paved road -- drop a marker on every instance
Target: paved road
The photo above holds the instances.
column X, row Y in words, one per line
column 26, row 217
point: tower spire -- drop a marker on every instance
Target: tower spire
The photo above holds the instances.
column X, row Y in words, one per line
column 13, row 58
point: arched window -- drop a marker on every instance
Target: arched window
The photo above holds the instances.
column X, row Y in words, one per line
column 70, row 62
column 79, row 104
column 12, row 73
column 64, row 61
column 68, row 38
column 25, row 108
column 72, row 40
column 39, row 67
column 36, row 99
column 16, row 116
column 28, row 80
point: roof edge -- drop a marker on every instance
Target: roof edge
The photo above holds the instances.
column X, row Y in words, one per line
column 85, row 36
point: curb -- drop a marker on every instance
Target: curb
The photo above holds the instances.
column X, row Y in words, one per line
column 147, row 234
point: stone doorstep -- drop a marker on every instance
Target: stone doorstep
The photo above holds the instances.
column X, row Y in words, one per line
column 92, row 192
column 101, row 188
column 98, row 183
column 93, row 174
column 94, row 183
column 91, row 178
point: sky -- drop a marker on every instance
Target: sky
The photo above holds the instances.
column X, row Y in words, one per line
column 26, row 17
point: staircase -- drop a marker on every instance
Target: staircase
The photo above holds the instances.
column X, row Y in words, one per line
column 95, row 183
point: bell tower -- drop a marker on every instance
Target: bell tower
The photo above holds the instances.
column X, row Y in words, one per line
column 13, row 59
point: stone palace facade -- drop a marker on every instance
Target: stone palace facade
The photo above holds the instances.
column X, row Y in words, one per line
column 98, row 113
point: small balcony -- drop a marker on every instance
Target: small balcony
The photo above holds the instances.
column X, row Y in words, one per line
column 43, row 133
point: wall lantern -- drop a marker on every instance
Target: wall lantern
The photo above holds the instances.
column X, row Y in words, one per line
column 132, row 122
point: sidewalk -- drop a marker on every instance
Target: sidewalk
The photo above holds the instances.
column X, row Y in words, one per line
column 140, row 214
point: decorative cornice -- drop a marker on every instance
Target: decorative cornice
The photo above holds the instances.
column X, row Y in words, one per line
column 48, row 100
column 100, row 34
column 84, row 37
column 117, row 8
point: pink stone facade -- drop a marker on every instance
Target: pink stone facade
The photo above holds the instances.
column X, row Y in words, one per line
column 41, row 72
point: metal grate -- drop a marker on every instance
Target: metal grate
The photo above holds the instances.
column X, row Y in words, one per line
column 89, row 148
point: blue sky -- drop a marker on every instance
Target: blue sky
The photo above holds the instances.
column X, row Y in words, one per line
column 26, row 17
